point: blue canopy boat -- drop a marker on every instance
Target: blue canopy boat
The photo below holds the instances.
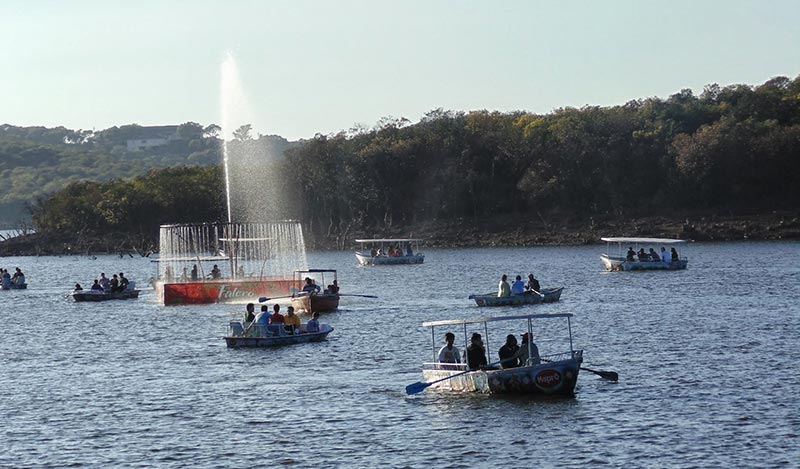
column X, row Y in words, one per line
column 625, row 261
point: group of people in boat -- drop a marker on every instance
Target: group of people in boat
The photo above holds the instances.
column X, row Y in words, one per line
column 7, row 279
column 512, row 354
column 652, row 256
column 194, row 274
column 109, row 285
column 311, row 287
column 290, row 322
column 504, row 288
column 393, row 251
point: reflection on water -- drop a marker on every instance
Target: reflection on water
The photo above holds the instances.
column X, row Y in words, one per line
column 705, row 356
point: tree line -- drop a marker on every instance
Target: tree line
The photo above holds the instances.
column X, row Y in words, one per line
column 733, row 149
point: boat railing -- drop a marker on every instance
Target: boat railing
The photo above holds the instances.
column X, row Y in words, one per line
column 444, row 366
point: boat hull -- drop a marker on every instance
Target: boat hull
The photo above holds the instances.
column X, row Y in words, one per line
column 621, row 264
column 321, row 303
column 550, row 295
column 105, row 296
column 366, row 259
column 554, row 378
column 221, row 291
column 14, row 286
column 263, row 339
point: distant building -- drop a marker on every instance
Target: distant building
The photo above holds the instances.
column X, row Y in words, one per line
column 153, row 136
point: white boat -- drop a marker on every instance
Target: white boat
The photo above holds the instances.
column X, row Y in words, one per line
column 384, row 251
column 550, row 374
column 273, row 335
column 630, row 260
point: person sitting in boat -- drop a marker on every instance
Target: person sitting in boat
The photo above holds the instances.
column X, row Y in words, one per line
column 292, row 321
column 313, row 324
column 249, row 315
column 97, row 287
column 642, row 256
column 18, row 278
column 533, row 285
column 518, row 288
column 409, row 251
column 310, row 287
column 654, row 255
column 123, row 282
column 373, row 252
column 449, row 353
column 6, row 279
column 104, row 281
column 475, row 353
column 78, row 287
column 276, row 317
column 215, row 273
column 509, row 352
column 673, row 254
column 240, row 271
column 184, row 275
column 631, row 254
column 523, row 352
column 332, row 288
column 113, row 284
column 261, row 318
column 503, row 288
column 194, row 272
column 665, row 255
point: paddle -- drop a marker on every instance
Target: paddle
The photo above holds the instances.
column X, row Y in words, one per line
column 420, row 386
column 609, row 375
column 264, row 298
column 353, row 294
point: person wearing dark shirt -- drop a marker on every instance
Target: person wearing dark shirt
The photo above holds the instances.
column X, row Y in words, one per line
column 123, row 282
column 630, row 254
column 508, row 353
column 249, row 315
column 476, row 354
column 96, row 286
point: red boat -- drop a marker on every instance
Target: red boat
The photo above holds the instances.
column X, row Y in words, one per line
column 222, row 290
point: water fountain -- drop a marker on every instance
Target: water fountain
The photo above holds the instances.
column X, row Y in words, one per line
column 252, row 255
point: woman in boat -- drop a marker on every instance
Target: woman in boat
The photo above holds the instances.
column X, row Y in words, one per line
column 313, row 324
column 523, row 352
column 18, row 278
column 509, row 352
column 503, row 288
column 674, row 254
column 476, row 354
column 449, row 353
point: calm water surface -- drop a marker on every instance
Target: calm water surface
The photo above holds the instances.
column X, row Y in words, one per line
column 707, row 359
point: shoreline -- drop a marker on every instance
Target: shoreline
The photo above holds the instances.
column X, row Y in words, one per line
column 534, row 231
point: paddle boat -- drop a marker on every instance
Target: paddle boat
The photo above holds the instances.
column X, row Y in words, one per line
column 273, row 335
column 546, row 295
column 100, row 295
column 389, row 251
column 553, row 374
column 631, row 260
column 321, row 300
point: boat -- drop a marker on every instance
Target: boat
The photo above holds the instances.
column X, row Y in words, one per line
column 547, row 295
column 541, row 375
column 14, row 286
column 625, row 262
column 98, row 295
column 322, row 301
column 377, row 251
column 263, row 336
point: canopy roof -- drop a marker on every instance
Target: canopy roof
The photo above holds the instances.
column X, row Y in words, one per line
column 450, row 322
column 312, row 271
column 388, row 240
column 191, row 259
column 644, row 240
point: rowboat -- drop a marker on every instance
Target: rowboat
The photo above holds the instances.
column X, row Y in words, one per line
column 547, row 295
column 553, row 374
column 623, row 262
column 378, row 251
column 14, row 286
column 321, row 301
column 97, row 295
column 273, row 335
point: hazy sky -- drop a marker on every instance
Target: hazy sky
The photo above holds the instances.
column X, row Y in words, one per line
column 311, row 67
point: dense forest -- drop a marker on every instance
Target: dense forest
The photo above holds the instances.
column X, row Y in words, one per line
column 730, row 150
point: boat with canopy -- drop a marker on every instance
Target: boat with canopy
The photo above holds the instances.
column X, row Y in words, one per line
column 638, row 258
column 389, row 251
column 553, row 373
column 321, row 300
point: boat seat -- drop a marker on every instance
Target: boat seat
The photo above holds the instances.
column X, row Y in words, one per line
column 236, row 328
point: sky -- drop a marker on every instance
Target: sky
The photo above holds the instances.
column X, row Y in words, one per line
column 305, row 67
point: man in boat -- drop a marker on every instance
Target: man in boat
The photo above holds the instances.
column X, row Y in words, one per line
column 449, row 353
column 96, row 286
column 249, row 314
column 104, row 281
column 123, row 282
column 409, row 251
column 654, row 255
column 313, row 324
column 333, row 288
column 194, row 272
column 631, row 254
column 533, row 285
column 113, row 284
column 78, row 287
column 261, row 318
column 310, row 287
column 18, row 278
column 276, row 317
column 509, row 353
column 503, row 288
column 291, row 321
column 518, row 288
column 523, row 351
column 674, row 254
column 476, row 354
column 215, row 273
column 665, row 256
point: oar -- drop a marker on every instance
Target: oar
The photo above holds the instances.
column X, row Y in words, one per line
column 353, row 294
column 264, row 298
column 609, row 375
column 420, row 386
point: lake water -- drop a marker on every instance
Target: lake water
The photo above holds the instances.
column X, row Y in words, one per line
column 708, row 363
